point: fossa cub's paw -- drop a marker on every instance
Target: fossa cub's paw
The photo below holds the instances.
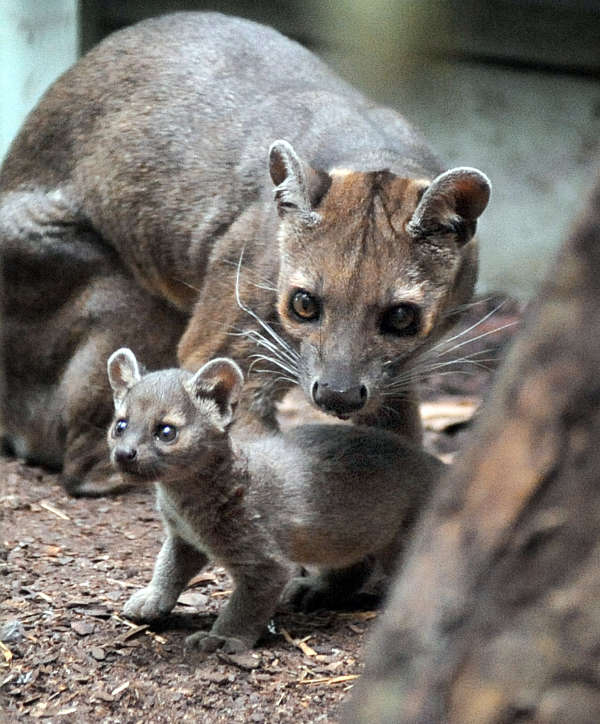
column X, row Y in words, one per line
column 207, row 642
column 148, row 604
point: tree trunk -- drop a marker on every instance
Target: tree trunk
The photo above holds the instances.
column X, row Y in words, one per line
column 495, row 616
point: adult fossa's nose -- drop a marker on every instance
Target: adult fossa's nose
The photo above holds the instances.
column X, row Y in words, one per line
column 338, row 399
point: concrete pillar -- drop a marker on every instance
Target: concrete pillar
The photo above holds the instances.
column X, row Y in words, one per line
column 38, row 41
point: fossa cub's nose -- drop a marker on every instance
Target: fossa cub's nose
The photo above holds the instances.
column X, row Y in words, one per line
column 339, row 400
column 125, row 455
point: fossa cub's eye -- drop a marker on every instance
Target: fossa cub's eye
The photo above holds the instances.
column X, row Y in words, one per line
column 401, row 320
column 120, row 427
column 304, row 306
column 166, row 433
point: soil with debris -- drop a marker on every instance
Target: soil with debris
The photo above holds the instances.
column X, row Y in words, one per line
column 68, row 565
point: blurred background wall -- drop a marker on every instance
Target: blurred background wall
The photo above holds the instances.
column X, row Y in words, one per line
column 509, row 86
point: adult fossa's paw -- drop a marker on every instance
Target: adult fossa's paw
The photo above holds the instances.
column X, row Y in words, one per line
column 207, row 642
column 310, row 593
column 148, row 604
column 332, row 589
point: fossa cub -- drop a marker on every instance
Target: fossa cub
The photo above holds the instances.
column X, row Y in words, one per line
column 321, row 495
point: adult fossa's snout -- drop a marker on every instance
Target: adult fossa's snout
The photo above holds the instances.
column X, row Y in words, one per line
column 339, row 399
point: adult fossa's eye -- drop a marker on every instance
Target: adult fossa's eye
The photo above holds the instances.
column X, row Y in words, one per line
column 166, row 433
column 119, row 428
column 401, row 320
column 305, row 307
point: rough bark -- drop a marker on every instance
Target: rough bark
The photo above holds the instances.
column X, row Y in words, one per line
column 495, row 616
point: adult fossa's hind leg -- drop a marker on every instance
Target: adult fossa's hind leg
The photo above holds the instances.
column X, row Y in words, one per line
column 86, row 410
column 125, row 316
column 68, row 304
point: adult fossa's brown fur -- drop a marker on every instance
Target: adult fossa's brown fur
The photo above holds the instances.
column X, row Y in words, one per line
column 144, row 176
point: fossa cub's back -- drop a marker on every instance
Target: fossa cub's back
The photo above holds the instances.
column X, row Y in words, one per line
column 200, row 182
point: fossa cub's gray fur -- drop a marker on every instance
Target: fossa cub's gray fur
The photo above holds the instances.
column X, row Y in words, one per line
column 175, row 149
column 321, row 495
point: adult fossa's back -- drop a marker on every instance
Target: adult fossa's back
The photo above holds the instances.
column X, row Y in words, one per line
column 158, row 138
column 146, row 174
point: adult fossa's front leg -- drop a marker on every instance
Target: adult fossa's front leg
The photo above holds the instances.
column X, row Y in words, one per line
column 400, row 415
column 332, row 588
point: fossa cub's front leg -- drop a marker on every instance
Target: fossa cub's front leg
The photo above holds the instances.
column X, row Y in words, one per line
column 175, row 565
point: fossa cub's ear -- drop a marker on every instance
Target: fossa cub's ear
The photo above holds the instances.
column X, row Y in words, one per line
column 451, row 204
column 221, row 380
column 298, row 187
column 123, row 372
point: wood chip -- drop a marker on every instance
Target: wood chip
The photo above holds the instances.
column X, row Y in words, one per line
column 52, row 550
column 358, row 615
column 247, row 660
column 201, row 579
column 329, row 680
column 193, row 598
column 95, row 611
column 82, row 628
column 136, row 629
column 120, row 688
column 122, row 584
column 299, row 643
column 131, row 633
column 52, row 509
column 7, row 654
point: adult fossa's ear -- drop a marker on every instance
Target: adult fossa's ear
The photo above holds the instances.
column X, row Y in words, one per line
column 123, row 372
column 451, row 204
column 298, row 186
column 220, row 380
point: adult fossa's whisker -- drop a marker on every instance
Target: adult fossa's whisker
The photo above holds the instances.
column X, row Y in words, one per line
column 469, row 305
column 262, row 341
column 477, row 338
column 267, row 328
column 476, row 324
column 426, row 368
column 262, row 283
column 275, row 372
column 273, row 360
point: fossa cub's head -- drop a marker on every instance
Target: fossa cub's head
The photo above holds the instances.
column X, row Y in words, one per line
column 167, row 421
column 373, row 268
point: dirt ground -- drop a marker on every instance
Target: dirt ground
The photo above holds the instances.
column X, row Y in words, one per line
column 67, row 566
